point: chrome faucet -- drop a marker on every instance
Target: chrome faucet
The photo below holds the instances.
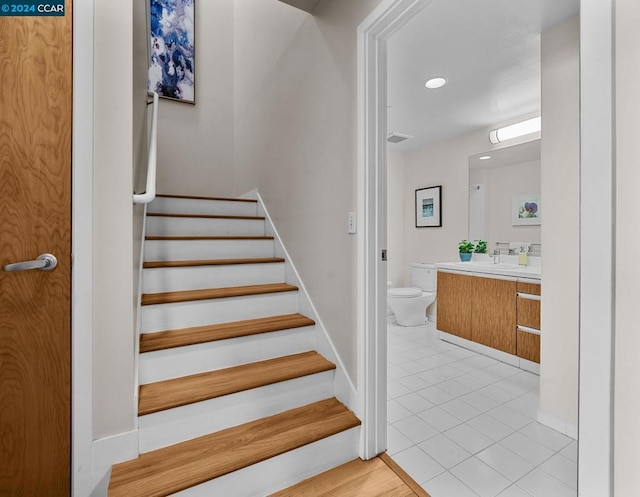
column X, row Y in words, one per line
column 496, row 256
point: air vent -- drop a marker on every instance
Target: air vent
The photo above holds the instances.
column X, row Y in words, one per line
column 394, row 137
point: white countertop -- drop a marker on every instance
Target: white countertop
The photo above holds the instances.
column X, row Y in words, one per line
column 508, row 266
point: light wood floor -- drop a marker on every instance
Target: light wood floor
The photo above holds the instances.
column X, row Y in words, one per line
column 379, row 477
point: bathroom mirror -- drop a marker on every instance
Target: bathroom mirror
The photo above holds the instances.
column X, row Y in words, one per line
column 495, row 177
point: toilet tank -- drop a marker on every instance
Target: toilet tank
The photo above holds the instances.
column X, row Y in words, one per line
column 424, row 275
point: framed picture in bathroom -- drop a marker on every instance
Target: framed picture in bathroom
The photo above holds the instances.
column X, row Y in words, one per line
column 525, row 209
column 172, row 44
column 429, row 207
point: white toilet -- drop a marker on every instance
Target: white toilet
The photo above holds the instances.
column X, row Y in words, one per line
column 409, row 304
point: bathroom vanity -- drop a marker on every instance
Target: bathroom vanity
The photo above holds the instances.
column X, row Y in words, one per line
column 493, row 309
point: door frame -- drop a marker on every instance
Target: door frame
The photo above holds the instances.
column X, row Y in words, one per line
column 596, row 360
column 82, row 250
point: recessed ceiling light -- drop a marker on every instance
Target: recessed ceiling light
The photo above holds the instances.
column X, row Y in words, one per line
column 435, row 83
column 484, row 157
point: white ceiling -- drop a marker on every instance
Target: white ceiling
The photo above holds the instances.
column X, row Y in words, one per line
column 488, row 50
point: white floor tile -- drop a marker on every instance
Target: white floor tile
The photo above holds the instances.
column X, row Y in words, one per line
column 468, row 438
column 508, row 416
column 523, row 406
column 413, row 367
column 526, row 448
column 485, row 481
column 514, row 491
column 490, row 427
column 449, row 371
column 396, row 441
column 414, row 402
column 440, row 419
column 479, row 361
column 497, row 394
column 435, row 395
column 433, row 377
column 481, row 402
column 546, row 436
column 505, row 462
column 473, row 381
column 395, row 372
column 502, row 369
column 445, row 451
column 433, row 361
column 447, row 485
column 418, row 464
column 396, row 412
column 413, row 383
column 460, row 410
column 571, row 451
column 395, row 389
column 510, row 385
column 563, row 469
column 541, row 484
column 415, row 429
column 454, row 388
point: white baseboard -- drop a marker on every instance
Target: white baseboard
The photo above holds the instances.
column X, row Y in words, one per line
column 560, row 425
column 111, row 450
column 498, row 355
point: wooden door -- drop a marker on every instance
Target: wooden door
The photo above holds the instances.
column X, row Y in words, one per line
column 35, row 218
column 454, row 304
column 494, row 313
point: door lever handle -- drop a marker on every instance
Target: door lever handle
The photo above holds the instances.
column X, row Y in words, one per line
column 44, row 262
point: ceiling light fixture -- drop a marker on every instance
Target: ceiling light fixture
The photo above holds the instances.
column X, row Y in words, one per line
column 515, row 130
column 484, row 157
column 435, row 83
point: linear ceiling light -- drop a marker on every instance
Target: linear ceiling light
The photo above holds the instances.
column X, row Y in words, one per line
column 515, row 130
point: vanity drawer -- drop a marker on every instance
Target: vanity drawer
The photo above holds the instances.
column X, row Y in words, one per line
column 528, row 312
column 528, row 346
column 530, row 288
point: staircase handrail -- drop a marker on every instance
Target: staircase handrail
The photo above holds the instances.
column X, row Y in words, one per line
column 150, row 191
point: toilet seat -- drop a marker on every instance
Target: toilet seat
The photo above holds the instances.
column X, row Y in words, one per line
column 407, row 292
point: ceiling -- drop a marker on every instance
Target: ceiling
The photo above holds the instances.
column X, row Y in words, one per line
column 488, row 50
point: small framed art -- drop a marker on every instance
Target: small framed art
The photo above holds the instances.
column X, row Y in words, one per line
column 429, row 207
column 525, row 209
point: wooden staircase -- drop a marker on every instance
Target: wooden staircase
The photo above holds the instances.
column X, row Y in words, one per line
column 234, row 399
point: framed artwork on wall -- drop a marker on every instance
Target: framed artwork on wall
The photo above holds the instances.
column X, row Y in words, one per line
column 525, row 209
column 429, row 207
column 171, row 68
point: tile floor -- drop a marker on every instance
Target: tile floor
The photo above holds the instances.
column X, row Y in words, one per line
column 464, row 425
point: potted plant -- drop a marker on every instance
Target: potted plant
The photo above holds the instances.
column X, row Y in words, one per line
column 481, row 247
column 465, row 248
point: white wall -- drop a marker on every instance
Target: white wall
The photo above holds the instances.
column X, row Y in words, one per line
column 195, row 143
column 113, row 280
column 500, row 184
column 295, row 140
column 560, row 231
column 396, row 217
column 627, row 338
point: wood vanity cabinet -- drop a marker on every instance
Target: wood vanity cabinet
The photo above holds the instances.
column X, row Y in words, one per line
column 528, row 321
column 494, row 313
column 454, row 303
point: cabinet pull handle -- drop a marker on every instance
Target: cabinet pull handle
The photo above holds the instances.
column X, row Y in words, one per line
column 529, row 296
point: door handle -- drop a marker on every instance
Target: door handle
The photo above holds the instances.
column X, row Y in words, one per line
column 44, row 262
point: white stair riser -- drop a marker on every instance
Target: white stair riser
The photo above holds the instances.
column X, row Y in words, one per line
column 198, row 226
column 189, row 250
column 168, row 205
column 183, row 361
column 163, row 317
column 282, row 471
column 175, row 279
column 186, row 422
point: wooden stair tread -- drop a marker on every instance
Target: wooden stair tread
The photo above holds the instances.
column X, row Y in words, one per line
column 198, row 197
column 215, row 293
column 206, row 216
column 154, row 397
column 210, row 333
column 192, row 238
column 357, row 478
column 177, row 467
column 212, row 262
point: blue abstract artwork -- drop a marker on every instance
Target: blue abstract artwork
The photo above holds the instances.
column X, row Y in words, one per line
column 171, row 69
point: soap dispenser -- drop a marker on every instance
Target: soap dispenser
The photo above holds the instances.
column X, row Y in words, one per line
column 522, row 257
